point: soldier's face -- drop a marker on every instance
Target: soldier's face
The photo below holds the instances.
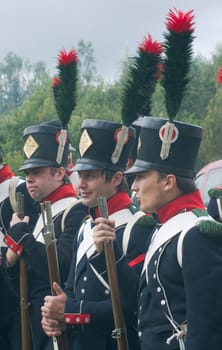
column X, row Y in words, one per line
column 92, row 185
column 150, row 190
column 42, row 181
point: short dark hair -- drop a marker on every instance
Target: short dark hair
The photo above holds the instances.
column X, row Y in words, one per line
column 123, row 186
column 65, row 179
column 185, row 185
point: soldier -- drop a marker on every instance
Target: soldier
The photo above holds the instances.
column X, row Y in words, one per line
column 10, row 334
column 179, row 282
column 73, row 175
column 86, row 305
column 175, row 308
column 214, row 206
column 46, row 180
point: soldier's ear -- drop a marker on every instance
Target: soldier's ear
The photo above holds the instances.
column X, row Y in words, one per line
column 170, row 181
column 60, row 173
column 117, row 178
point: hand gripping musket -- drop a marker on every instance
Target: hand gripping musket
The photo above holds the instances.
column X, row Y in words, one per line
column 23, row 284
column 59, row 342
column 119, row 333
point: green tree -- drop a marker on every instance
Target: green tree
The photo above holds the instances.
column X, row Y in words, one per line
column 202, row 103
column 212, row 130
column 36, row 109
column 200, row 90
column 87, row 63
column 17, row 79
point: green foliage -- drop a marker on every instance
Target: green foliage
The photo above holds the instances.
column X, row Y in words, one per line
column 200, row 90
column 15, row 159
column 158, row 103
column 211, row 144
column 202, row 105
column 37, row 109
column 101, row 102
column 87, row 63
column 18, row 78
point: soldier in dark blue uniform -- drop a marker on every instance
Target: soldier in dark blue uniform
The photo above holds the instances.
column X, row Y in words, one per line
column 180, row 292
column 179, row 296
column 214, row 206
column 179, row 299
column 46, row 180
column 86, row 306
column 10, row 333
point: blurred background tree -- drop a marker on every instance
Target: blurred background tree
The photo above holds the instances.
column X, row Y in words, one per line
column 26, row 98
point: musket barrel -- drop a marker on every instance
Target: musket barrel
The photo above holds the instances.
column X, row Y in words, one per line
column 20, row 205
column 53, row 265
column 119, row 333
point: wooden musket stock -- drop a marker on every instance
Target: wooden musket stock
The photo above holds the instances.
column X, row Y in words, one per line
column 53, row 266
column 23, row 284
column 119, row 333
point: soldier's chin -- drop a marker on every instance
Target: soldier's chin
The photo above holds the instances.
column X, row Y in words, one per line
column 144, row 208
column 89, row 202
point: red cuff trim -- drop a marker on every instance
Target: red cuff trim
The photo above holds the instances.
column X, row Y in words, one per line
column 13, row 245
column 77, row 318
column 137, row 260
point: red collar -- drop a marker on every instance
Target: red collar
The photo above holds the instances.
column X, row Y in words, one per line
column 63, row 191
column 186, row 202
column 69, row 168
column 5, row 173
column 119, row 201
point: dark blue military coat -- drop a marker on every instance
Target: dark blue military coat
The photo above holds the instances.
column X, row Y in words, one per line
column 180, row 303
column 35, row 258
column 88, row 290
column 10, row 333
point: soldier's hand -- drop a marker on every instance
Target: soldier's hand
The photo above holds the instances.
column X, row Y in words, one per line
column 52, row 328
column 16, row 219
column 103, row 231
column 54, row 306
column 11, row 258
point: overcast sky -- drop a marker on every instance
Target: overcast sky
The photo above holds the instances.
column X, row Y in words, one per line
column 38, row 29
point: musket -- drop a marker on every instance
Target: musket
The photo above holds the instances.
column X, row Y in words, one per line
column 219, row 206
column 59, row 342
column 119, row 333
column 23, row 284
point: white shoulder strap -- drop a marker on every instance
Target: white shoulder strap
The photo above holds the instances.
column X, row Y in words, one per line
column 87, row 245
column 57, row 208
column 8, row 190
column 121, row 217
column 128, row 228
column 183, row 234
column 4, row 188
column 66, row 211
column 166, row 232
column 12, row 190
